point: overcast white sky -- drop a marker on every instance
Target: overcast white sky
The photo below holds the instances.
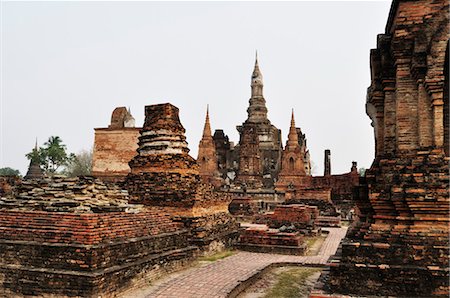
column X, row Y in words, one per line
column 67, row 65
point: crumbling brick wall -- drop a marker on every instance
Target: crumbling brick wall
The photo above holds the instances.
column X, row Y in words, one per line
column 400, row 245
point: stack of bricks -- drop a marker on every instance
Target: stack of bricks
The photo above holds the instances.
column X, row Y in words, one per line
column 85, row 240
column 302, row 217
column 7, row 184
column 74, row 195
column 400, row 246
column 163, row 174
column 263, row 239
column 243, row 206
column 281, row 231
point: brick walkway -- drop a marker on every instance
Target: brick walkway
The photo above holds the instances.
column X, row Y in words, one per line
column 221, row 277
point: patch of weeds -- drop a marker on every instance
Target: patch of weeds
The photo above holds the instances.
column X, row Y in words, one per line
column 217, row 256
column 291, row 283
column 311, row 240
column 345, row 223
column 314, row 244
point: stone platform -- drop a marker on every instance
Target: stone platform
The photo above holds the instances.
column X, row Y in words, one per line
column 80, row 237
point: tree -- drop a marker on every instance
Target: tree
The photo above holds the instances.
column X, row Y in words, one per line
column 79, row 164
column 362, row 172
column 55, row 154
column 52, row 156
column 9, row 172
column 37, row 155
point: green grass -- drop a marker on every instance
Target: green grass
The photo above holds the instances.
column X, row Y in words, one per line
column 310, row 241
column 217, row 256
column 291, row 283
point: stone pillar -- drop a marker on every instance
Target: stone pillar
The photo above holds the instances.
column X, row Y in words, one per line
column 327, row 163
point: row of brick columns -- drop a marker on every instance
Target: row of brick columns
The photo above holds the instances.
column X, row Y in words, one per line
column 403, row 120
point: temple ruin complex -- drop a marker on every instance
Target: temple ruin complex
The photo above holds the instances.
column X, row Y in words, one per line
column 150, row 208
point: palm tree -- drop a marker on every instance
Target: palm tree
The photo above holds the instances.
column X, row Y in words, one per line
column 55, row 152
column 52, row 156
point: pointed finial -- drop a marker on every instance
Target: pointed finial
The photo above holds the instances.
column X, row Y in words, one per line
column 35, row 145
column 129, row 110
column 292, row 118
column 207, row 127
column 256, row 58
column 292, row 136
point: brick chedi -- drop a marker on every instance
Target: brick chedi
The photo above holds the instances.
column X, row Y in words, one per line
column 115, row 146
column 164, row 174
column 207, row 158
column 293, row 172
column 400, row 246
column 34, row 169
column 80, row 237
column 258, row 131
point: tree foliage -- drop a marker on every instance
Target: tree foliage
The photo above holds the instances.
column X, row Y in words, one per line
column 362, row 172
column 79, row 164
column 52, row 156
column 9, row 172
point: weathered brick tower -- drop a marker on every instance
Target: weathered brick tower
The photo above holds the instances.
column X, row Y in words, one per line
column 163, row 174
column 115, row 146
column 34, row 169
column 400, row 246
column 293, row 171
column 207, row 159
column 259, row 135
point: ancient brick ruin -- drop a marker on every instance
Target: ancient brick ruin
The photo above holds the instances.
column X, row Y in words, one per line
column 34, row 169
column 259, row 149
column 400, row 245
column 80, row 237
column 207, row 157
column 115, row 146
column 293, row 174
column 260, row 174
column 281, row 231
column 163, row 174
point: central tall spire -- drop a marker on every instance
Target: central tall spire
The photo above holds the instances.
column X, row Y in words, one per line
column 257, row 111
column 257, row 80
